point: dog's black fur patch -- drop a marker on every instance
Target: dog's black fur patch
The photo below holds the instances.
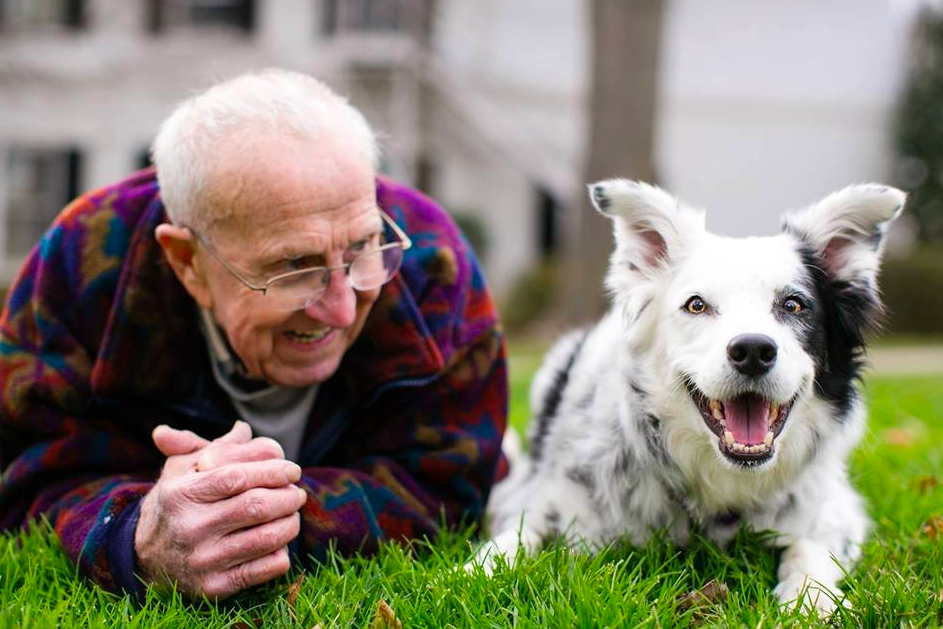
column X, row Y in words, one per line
column 551, row 401
column 843, row 313
column 582, row 475
column 599, row 195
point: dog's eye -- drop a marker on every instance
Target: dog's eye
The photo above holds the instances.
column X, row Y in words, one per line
column 792, row 305
column 695, row 305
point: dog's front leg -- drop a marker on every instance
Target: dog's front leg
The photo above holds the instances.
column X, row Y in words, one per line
column 505, row 545
column 808, row 571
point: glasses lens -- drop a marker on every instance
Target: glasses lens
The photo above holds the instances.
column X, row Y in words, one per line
column 369, row 270
column 297, row 291
column 376, row 268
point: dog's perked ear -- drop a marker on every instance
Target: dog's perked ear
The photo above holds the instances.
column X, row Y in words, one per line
column 845, row 230
column 650, row 225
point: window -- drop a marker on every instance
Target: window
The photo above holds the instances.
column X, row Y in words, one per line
column 40, row 183
column 547, row 212
column 143, row 158
column 170, row 14
column 31, row 15
column 362, row 15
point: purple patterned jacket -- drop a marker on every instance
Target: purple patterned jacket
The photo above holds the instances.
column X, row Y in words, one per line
column 99, row 344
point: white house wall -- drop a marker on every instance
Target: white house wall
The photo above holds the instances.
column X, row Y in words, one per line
column 770, row 105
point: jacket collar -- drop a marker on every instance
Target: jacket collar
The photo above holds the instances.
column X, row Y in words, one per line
column 152, row 342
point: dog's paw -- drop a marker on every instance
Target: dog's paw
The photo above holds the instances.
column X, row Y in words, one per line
column 506, row 546
column 486, row 558
column 798, row 590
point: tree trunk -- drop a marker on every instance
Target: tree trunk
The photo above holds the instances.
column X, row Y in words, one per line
column 626, row 35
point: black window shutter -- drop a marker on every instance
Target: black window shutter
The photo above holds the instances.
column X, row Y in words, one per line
column 74, row 187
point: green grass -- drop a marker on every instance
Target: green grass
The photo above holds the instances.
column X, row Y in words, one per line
column 898, row 583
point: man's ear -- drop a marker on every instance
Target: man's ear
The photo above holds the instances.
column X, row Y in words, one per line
column 179, row 247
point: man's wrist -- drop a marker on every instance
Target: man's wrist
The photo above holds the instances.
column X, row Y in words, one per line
column 121, row 551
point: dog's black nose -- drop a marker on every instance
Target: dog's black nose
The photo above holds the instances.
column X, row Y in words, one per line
column 752, row 354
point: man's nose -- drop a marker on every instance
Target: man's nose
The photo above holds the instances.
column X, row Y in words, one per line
column 337, row 307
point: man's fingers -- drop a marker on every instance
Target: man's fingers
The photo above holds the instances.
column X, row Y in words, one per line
column 248, row 544
column 259, row 449
column 173, row 442
column 240, row 432
column 228, row 582
column 256, row 506
column 236, row 478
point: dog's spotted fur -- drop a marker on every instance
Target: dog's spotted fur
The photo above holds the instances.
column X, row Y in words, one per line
column 621, row 444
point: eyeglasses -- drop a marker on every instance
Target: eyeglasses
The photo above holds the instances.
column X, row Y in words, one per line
column 302, row 288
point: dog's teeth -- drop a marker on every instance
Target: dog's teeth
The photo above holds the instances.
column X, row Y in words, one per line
column 773, row 412
column 728, row 438
column 717, row 410
column 768, row 440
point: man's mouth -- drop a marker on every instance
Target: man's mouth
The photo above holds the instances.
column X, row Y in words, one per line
column 746, row 425
column 314, row 336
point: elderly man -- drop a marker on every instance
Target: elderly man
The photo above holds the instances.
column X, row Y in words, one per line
column 266, row 275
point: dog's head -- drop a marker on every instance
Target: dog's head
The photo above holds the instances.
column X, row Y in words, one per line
column 751, row 345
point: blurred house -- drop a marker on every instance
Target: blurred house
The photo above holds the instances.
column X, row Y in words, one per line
column 480, row 102
column 85, row 83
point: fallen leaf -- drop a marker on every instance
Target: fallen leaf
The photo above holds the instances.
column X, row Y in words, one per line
column 292, row 597
column 899, row 437
column 926, row 484
column 712, row 593
column 385, row 618
column 933, row 527
column 256, row 622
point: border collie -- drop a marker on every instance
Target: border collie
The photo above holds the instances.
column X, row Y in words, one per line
column 719, row 391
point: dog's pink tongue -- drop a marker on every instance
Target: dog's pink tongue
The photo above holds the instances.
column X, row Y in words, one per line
column 747, row 417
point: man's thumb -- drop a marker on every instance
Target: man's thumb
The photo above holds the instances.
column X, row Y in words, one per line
column 173, row 442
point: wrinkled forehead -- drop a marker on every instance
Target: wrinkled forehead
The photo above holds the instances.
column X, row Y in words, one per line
column 258, row 182
column 724, row 265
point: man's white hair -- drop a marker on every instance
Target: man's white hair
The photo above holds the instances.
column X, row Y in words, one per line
column 268, row 101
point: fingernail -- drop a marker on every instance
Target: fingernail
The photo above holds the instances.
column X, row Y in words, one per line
column 293, row 470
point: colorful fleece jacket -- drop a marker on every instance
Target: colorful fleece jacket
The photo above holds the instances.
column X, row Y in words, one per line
column 99, row 343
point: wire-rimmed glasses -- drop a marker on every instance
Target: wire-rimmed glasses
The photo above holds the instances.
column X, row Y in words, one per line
column 301, row 288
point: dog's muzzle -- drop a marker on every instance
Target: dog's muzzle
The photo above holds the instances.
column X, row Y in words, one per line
column 746, row 425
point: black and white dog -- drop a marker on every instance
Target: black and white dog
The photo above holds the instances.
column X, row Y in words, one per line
column 719, row 391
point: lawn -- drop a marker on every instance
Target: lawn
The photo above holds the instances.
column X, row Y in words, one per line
column 899, row 583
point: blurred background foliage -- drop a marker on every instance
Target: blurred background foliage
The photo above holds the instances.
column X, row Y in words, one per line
column 912, row 281
column 919, row 129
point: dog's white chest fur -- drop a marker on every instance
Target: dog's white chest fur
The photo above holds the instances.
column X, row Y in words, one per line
column 718, row 392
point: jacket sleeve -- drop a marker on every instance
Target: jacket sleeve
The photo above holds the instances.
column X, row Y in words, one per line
column 84, row 474
column 424, row 455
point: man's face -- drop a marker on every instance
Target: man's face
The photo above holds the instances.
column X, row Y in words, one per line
column 288, row 204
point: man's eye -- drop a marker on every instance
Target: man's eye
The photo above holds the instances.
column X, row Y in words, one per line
column 359, row 246
column 300, row 262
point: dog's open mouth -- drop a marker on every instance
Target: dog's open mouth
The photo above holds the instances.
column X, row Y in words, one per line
column 747, row 425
